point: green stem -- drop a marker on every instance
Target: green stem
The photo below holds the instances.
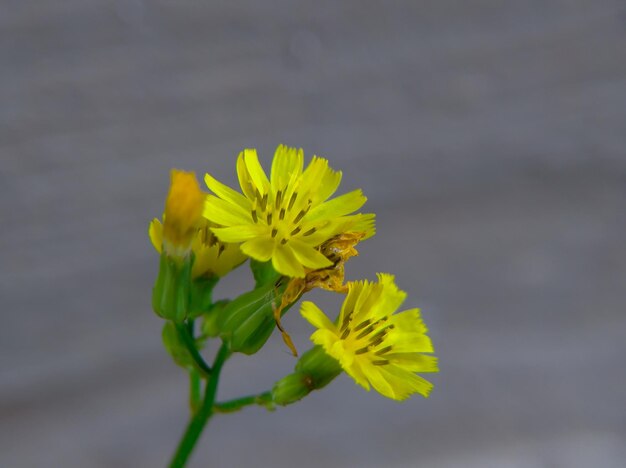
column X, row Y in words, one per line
column 194, row 391
column 204, row 413
column 262, row 399
column 188, row 341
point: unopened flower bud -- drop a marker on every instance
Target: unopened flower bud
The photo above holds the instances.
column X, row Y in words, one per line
column 171, row 293
column 247, row 322
column 314, row 370
column 291, row 388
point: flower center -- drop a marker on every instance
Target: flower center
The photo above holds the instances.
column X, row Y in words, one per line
column 281, row 215
column 366, row 336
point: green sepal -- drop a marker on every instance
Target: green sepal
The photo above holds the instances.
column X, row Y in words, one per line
column 314, row 370
column 247, row 322
column 201, row 295
column 171, row 294
column 175, row 347
column 263, row 273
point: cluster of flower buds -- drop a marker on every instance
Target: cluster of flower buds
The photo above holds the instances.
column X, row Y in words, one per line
column 296, row 238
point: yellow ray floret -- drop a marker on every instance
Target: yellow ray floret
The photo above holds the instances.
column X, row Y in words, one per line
column 373, row 344
column 183, row 210
column 286, row 217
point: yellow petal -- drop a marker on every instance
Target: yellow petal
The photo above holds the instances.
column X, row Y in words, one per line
column 354, row 291
column 206, row 258
column 229, row 259
column 391, row 296
column 361, row 223
column 366, row 306
column 239, row 233
column 255, row 171
column 329, row 182
column 339, row 206
column 403, row 383
column 408, row 342
column 308, row 185
column 380, row 382
column 312, row 175
column 413, row 362
column 155, row 231
column 287, row 162
column 308, row 256
column 259, row 248
column 324, row 338
column 315, row 316
column 245, row 181
column 222, row 212
column 284, row 261
column 356, row 372
column 409, row 321
column 324, row 180
column 226, row 193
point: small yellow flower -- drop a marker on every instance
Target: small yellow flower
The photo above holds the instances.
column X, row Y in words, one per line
column 374, row 345
column 287, row 217
column 212, row 257
column 183, row 212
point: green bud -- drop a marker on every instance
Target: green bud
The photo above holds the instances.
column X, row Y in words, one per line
column 174, row 346
column 314, row 370
column 290, row 389
column 321, row 367
column 171, row 293
column 247, row 322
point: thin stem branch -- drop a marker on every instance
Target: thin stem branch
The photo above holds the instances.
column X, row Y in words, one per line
column 230, row 406
column 203, row 369
column 204, row 413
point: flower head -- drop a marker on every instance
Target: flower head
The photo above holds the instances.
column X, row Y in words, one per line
column 183, row 212
column 373, row 344
column 184, row 230
column 287, row 217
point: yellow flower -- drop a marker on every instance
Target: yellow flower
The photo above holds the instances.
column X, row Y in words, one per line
column 287, row 217
column 183, row 212
column 374, row 345
column 212, row 257
column 184, row 230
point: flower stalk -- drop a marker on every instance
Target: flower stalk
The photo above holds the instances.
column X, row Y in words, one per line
column 201, row 367
column 204, row 413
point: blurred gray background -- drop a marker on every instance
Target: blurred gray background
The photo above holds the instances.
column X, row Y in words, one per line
column 489, row 136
